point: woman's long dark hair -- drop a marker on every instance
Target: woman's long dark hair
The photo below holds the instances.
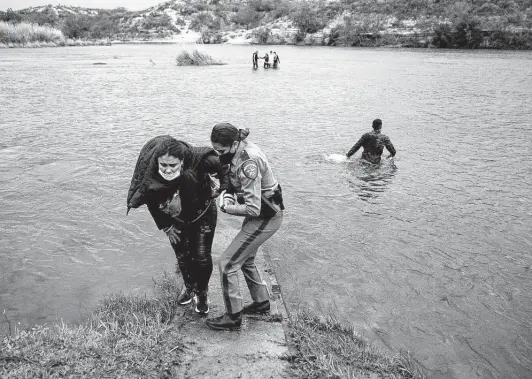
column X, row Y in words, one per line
column 225, row 134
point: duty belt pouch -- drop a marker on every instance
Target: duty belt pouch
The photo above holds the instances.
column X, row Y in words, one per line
column 271, row 205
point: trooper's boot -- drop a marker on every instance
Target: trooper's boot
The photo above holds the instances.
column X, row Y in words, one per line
column 185, row 296
column 202, row 303
column 257, row 308
column 225, row 322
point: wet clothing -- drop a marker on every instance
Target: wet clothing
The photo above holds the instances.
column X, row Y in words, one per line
column 373, row 144
column 193, row 252
column 276, row 60
column 148, row 187
column 255, row 60
column 185, row 203
column 258, row 198
column 266, row 60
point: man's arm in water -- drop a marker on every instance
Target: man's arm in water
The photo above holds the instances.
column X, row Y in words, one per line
column 389, row 147
column 357, row 146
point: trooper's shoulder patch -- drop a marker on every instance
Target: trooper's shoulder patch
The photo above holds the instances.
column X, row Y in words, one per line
column 250, row 169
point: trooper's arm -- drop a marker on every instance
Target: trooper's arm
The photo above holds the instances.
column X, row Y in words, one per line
column 250, row 180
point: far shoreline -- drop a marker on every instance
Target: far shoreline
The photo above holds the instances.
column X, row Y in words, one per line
column 83, row 43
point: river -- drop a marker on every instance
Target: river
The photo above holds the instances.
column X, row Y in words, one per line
column 430, row 252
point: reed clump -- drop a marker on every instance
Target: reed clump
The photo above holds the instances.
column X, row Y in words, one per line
column 329, row 349
column 27, row 33
column 196, row 58
column 127, row 336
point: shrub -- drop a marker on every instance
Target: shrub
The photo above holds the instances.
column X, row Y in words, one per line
column 24, row 32
column 158, row 21
column 204, row 19
column 308, row 18
column 77, row 27
column 261, row 35
column 246, row 16
column 196, row 58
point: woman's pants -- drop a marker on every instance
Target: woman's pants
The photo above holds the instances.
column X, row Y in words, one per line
column 241, row 255
column 193, row 252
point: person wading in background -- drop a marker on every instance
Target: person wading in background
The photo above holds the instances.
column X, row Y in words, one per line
column 373, row 144
column 255, row 60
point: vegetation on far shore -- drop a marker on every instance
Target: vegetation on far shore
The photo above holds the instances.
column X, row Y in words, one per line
column 196, row 58
column 421, row 23
column 135, row 336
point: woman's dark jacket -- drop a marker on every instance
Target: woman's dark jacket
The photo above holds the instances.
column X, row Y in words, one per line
column 194, row 184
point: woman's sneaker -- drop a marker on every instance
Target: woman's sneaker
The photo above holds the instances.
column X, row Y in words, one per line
column 257, row 308
column 202, row 304
column 184, row 297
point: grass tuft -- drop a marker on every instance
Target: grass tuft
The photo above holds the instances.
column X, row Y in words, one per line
column 126, row 337
column 196, row 58
column 329, row 349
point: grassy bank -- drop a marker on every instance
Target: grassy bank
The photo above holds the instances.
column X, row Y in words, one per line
column 328, row 349
column 139, row 337
column 125, row 337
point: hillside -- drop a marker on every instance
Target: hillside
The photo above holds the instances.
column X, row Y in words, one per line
column 420, row 23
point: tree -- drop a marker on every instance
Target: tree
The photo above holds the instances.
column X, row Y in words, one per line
column 246, row 16
column 77, row 26
column 104, row 27
column 10, row 16
column 307, row 18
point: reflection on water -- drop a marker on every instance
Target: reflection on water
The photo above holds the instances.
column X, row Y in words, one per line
column 370, row 180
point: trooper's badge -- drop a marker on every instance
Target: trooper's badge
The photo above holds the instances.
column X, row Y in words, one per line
column 250, row 169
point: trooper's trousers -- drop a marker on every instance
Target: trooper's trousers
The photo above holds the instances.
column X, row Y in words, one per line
column 240, row 255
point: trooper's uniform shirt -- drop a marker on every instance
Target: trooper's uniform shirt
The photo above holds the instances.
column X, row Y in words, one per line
column 250, row 177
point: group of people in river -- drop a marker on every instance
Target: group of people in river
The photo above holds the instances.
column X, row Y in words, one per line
column 179, row 183
column 271, row 59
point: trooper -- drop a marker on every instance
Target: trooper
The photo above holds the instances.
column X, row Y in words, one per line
column 254, row 194
column 373, row 144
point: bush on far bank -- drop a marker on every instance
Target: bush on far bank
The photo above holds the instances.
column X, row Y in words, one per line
column 23, row 33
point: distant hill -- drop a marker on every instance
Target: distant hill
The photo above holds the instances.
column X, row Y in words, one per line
column 437, row 23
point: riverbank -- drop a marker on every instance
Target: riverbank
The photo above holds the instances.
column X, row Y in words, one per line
column 339, row 28
column 130, row 336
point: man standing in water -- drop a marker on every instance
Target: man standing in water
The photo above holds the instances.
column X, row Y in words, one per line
column 255, row 60
column 373, row 144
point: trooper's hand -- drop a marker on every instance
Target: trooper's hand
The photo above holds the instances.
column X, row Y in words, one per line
column 173, row 234
column 228, row 199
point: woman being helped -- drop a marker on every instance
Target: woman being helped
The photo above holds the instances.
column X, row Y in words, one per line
column 172, row 178
column 259, row 200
